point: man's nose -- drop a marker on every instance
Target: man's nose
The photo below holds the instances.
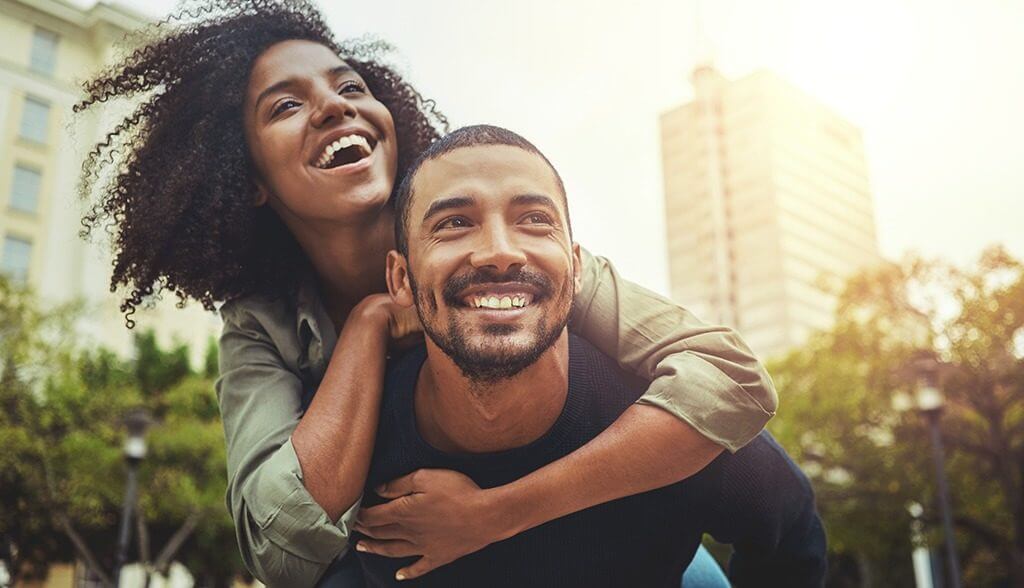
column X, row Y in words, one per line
column 332, row 107
column 497, row 249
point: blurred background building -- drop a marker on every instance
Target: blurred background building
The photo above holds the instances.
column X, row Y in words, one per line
column 50, row 46
column 766, row 200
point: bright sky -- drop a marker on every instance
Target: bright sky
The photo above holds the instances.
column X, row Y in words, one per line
column 936, row 87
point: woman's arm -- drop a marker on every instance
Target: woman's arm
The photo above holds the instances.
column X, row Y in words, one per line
column 703, row 374
column 707, row 391
column 294, row 479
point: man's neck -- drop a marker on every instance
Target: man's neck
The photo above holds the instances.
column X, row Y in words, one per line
column 459, row 415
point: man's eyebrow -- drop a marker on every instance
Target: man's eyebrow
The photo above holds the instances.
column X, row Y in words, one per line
column 535, row 199
column 447, row 204
column 278, row 86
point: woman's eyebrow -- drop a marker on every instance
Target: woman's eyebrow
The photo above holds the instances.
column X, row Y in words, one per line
column 341, row 69
column 278, row 86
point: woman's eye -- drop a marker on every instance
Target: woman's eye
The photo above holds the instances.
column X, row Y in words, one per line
column 455, row 222
column 283, row 106
column 350, row 87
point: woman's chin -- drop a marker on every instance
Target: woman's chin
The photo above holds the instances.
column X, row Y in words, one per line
column 362, row 203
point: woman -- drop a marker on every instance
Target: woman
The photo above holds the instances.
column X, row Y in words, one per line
column 230, row 182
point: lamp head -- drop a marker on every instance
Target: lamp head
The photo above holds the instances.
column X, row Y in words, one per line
column 137, row 421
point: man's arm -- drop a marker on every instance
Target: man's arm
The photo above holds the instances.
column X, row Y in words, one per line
column 761, row 503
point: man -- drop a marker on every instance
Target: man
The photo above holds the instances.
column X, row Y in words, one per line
column 500, row 389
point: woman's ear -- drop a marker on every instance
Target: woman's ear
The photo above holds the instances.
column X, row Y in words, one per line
column 261, row 194
column 398, row 279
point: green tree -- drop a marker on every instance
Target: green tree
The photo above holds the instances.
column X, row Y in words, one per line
column 847, row 417
column 61, row 420
column 30, row 345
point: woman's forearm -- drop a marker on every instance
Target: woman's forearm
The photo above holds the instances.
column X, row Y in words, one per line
column 645, row 449
column 334, row 439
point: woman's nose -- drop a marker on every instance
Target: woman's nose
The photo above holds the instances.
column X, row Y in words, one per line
column 333, row 107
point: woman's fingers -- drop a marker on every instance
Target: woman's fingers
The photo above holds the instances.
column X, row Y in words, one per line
column 382, row 514
column 387, row 548
column 383, row 532
column 399, row 486
column 417, row 569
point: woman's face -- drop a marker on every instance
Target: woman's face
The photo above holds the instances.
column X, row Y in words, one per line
column 323, row 146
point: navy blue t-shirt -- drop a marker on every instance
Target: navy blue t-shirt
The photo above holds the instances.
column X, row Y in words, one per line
column 756, row 499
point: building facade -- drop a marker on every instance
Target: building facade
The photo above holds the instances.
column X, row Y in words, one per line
column 767, row 205
column 50, row 46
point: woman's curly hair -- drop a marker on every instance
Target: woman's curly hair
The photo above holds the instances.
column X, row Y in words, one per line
column 173, row 182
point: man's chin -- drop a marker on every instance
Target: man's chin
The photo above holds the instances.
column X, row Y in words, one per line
column 499, row 330
column 496, row 356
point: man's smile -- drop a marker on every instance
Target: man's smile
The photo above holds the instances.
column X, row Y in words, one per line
column 499, row 296
column 498, row 301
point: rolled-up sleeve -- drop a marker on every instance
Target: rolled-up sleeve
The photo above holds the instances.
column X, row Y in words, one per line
column 285, row 537
column 703, row 374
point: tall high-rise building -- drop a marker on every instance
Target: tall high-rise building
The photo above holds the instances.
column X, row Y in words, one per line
column 766, row 198
column 49, row 47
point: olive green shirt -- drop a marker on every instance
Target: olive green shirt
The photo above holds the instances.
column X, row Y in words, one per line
column 274, row 352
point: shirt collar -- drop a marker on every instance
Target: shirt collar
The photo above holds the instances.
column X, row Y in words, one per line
column 309, row 310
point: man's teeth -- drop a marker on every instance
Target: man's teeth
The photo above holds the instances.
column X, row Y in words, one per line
column 342, row 143
column 502, row 302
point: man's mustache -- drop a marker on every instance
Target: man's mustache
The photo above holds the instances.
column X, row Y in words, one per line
column 520, row 275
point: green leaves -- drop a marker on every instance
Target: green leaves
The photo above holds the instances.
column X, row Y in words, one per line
column 61, row 428
column 846, row 408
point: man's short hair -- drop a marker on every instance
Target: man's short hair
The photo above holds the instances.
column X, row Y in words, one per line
column 471, row 136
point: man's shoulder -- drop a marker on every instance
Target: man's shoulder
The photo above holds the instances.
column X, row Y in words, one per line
column 600, row 378
column 764, row 457
column 759, row 478
column 403, row 367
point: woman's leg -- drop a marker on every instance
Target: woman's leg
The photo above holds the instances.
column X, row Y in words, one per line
column 704, row 572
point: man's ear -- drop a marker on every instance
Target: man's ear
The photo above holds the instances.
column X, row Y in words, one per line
column 398, row 279
column 577, row 268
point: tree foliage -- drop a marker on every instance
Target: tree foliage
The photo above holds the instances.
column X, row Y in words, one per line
column 847, row 414
column 61, row 426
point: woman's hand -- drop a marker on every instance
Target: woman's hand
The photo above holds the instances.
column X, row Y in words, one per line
column 402, row 323
column 440, row 515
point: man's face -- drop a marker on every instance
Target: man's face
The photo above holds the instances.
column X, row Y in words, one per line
column 491, row 267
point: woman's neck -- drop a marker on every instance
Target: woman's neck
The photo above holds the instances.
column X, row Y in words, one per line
column 349, row 261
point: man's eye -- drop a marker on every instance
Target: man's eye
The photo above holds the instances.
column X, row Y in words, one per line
column 283, row 106
column 537, row 218
column 454, row 222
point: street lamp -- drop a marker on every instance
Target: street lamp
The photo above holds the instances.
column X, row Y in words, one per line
column 925, row 369
column 136, row 421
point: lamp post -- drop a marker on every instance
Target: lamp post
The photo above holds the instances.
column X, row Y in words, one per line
column 137, row 421
column 931, row 403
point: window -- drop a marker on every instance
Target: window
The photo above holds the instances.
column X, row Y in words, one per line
column 16, row 258
column 44, row 52
column 34, row 119
column 25, row 189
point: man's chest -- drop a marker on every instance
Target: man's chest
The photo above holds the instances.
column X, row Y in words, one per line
column 643, row 540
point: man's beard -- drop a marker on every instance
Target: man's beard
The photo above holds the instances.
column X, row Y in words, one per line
column 487, row 366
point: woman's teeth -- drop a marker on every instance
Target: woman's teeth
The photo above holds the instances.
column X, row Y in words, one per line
column 499, row 302
column 357, row 141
